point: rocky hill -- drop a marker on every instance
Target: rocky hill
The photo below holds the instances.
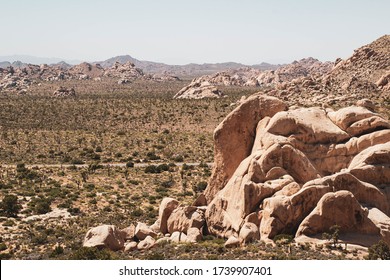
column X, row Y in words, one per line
column 19, row 79
column 368, row 67
column 190, row 70
column 308, row 68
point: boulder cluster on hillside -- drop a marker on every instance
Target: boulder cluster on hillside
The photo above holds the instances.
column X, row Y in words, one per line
column 308, row 80
column 18, row 80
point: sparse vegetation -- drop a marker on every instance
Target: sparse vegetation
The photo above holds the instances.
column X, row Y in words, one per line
column 115, row 156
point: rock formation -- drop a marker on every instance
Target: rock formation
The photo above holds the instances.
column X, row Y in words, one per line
column 297, row 170
column 199, row 90
column 19, row 80
column 64, row 92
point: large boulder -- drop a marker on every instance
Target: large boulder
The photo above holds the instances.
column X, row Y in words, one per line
column 105, row 236
column 178, row 236
column 166, row 208
column 338, row 208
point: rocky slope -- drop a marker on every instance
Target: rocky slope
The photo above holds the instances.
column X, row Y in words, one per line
column 366, row 74
column 308, row 68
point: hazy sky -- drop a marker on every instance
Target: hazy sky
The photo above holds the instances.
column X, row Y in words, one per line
column 181, row 31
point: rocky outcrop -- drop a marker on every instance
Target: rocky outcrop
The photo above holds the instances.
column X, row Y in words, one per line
column 234, row 137
column 298, row 171
column 86, row 71
column 126, row 71
column 64, row 92
column 199, row 90
column 194, row 235
column 304, row 68
column 20, row 79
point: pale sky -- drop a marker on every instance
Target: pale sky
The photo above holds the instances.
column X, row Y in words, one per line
column 183, row 31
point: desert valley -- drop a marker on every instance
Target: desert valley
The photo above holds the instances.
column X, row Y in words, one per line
column 130, row 159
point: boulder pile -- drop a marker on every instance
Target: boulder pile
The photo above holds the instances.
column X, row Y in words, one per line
column 199, row 90
column 64, row 92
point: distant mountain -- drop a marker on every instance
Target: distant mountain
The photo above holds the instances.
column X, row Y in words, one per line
column 36, row 60
column 150, row 67
column 4, row 64
column 191, row 69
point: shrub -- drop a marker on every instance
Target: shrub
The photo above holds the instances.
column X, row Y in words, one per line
column 77, row 161
column 167, row 184
column 333, row 234
column 39, row 238
column 163, row 167
column 201, row 186
column 151, row 169
column 10, row 206
column 152, row 156
column 3, row 247
column 379, row 251
column 178, row 158
column 91, row 253
column 283, row 238
column 98, row 149
column 42, row 206
column 129, row 164
column 58, row 250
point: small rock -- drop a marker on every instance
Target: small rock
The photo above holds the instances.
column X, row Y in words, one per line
column 131, row 246
column 147, row 243
column 232, row 242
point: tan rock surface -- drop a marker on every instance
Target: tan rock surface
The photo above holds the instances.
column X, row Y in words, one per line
column 234, row 137
column 339, row 208
column 146, row 244
column 249, row 232
column 167, row 205
column 194, row 235
column 199, row 90
column 183, row 218
column 142, row 231
column 104, row 236
column 129, row 232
